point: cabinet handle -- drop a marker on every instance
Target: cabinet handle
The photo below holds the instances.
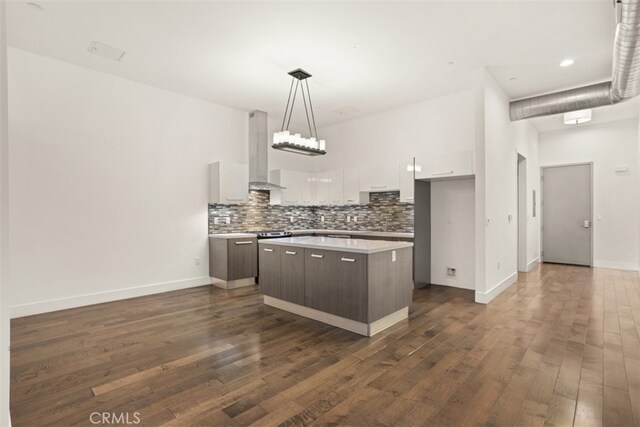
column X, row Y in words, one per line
column 290, row 252
column 336, row 201
column 348, row 259
column 248, row 242
column 378, row 186
column 229, row 199
column 291, row 201
column 317, row 256
column 268, row 250
column 351, row 200
column 322, row 201
column 442, row 173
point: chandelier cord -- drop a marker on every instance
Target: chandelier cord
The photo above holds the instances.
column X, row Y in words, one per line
column 287, row 108
column 293, row 103
column 313, row 117
column 304, row 100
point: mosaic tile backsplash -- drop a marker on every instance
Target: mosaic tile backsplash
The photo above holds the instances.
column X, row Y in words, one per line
column 383, row 213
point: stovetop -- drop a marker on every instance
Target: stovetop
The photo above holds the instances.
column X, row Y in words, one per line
column 273, row 234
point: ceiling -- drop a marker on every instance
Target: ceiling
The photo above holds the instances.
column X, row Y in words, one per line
column 365, row 57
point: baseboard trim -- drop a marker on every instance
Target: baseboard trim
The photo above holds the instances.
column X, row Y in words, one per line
column 617, row 265
column 48, row 306
column 486, row 297
column 232, row 284
column 531, row 265
column 340, row 322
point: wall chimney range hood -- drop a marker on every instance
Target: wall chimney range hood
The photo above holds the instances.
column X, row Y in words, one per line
column 258, row 153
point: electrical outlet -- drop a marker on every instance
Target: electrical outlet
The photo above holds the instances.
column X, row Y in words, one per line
column 348, row 218
column 355, row 219
column 291, row 219
column 197, row 260
column 321, row 218
column 451, row 272
column 222, row 220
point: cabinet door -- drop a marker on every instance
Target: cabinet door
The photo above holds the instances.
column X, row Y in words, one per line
column 292, row 195
column 323, row 190
column 228, row 183
column 351, row 187
column 242, row 258
column 448, row 165
column 292, row 273
column 270, row 270
column 406, row 183
column 335, row 187
column 308, row 191
column 380, row 177
column 319, row 280
column 351, row 286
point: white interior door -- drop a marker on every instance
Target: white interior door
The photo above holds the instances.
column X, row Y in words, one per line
column 566, row 214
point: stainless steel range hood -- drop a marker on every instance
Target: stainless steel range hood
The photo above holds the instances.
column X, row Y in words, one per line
column 259, row 153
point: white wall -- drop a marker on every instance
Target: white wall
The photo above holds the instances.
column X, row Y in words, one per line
column 4, row 226
column 503, row 140
column 436, row 126
column 453, row 232
column 615, row 195
column 108, row 184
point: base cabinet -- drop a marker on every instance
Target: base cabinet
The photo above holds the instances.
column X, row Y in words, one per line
column 270, row 270
column 233, row 259
column 319, row 279
column 350, row 286
column 292, row 275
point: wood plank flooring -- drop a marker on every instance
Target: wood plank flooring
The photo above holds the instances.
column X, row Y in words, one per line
column 561, row 347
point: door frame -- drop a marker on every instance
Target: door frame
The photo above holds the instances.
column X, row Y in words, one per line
column 541, row 204
column 521, row 217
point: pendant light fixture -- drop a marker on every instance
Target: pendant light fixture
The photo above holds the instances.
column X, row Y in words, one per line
column 295, row 143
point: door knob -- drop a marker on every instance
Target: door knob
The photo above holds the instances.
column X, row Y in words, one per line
column 586, row 223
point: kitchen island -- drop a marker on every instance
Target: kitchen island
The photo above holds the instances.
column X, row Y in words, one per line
column 364, row 286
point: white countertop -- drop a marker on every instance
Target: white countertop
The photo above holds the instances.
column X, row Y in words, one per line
column 232, row 235
column 338, row 244
column 356, row 233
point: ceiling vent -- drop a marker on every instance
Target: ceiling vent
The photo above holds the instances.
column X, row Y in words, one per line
column 348, row 111
column 106, row 51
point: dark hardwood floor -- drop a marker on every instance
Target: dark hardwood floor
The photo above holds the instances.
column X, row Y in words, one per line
column 560, row 347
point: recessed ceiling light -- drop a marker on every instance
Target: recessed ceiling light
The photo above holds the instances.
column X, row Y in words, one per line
column 35, row 6
column 451, row 63
column 567, row 62
column 511, row 79
column 577, row 117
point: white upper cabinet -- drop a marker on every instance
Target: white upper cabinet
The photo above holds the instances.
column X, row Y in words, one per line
column 228, row 183
column 406, row 182
column 380, row 177
column 351, row 194
column 329, row 186
column 308, row 191
column 299, row 188
column 444, row 166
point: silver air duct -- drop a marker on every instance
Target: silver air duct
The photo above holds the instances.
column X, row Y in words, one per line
column 624, row 85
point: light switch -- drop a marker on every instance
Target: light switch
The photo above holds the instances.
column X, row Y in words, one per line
column 393, row 256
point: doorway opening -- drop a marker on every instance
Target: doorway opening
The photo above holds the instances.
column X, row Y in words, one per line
column 522, row 213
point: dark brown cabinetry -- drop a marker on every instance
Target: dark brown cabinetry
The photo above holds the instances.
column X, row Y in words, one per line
column 350, row 286
column 233, row 258
column 292, row 275
column 270, row 270
column 319, row 279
